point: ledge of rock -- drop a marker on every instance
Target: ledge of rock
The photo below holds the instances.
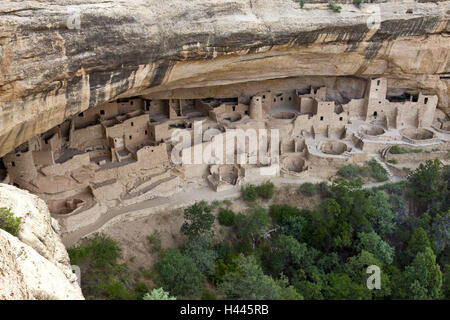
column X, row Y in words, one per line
column 58, row 58
column 34, row 265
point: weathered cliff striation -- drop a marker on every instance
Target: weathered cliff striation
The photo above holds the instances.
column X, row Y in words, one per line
column 58, row 58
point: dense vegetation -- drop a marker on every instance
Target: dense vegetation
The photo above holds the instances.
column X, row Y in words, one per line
column 284, row 252
column 371, row 171
column 8, row 222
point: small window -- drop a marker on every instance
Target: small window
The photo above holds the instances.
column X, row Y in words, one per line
column 264, row 97
column 81, row 115
column 102, row 112
column 378, row 82
column 379, row 102
column 414, row 98
column 425, row 100
column 146, row 132
column 290, row 98
column 131, row 102
column 257, row 99
column 131, row 137
column 375, row 114
column 18, row 155
column 46, row 141
column 340, row 118
column 281, row 99
column 132, row 124
column 275, row 100
column 321, row 118
column 13, row 164
column 234, row 108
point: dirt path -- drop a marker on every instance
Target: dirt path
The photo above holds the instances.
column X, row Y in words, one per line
column 181, row 199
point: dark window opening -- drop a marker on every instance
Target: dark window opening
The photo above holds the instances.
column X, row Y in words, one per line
column 340, row 118
column 131, row 102
column 275, row 100
column 264, row 97
column 131, row 137
column 281, row 99
column 13, row 164
column 132, row 124
column 378, row 82
column 425, row 100
column 81, row 115
column 102, row 112
column 321, row 118
column 290, row 98
column 146, row 132
column 414, row 98
column 375, row 114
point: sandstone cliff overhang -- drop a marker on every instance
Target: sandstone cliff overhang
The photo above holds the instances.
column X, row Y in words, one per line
column 58, row 58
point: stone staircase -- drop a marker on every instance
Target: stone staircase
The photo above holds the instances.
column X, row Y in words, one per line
column 164, row 186
column 381, row 162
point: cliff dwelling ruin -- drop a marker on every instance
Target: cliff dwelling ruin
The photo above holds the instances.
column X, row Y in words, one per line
column 119, row 153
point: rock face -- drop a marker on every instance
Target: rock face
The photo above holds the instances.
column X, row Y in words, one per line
column 58, row 58
column 34, row 265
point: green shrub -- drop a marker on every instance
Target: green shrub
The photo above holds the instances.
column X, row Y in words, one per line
column 357, row 2
column 307, row 189
column 100, row 250
column 179, row 274
column 266, row 190
column 198, row 219
column 209, row 295
column 141, row 290
column 334, row 7
column 397, row 150
column 116, row 290
column 223, row 250
column 155, row 241
column 146, row 273
column 103, row 277
column 226, row 217
column 350, row 171
column 302, row 3
column 227, row 203
column 393, row 161
column 215, row 204
column 158, row 294
column 416, row 150
column 376, row 171
column 8, row 222
column 249, row 192
column 323, row 189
